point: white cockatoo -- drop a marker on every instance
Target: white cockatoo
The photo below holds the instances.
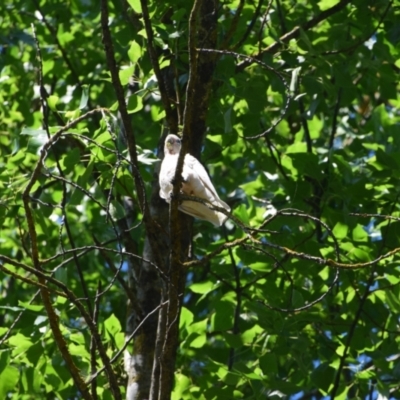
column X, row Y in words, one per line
column 196, row 182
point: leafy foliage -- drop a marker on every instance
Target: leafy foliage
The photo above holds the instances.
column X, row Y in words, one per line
column 306, row 304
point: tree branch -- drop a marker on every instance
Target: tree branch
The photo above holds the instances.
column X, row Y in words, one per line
column 170, row 115
column 295, row 32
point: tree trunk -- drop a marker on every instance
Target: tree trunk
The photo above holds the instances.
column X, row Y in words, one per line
column 151, row 364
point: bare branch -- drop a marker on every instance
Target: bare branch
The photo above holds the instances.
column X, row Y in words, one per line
column 126, row 120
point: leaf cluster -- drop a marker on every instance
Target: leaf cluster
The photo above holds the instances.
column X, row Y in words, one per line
column 298, row 299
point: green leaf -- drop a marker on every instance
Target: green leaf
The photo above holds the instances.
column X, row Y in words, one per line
column 52, row 101
column 20, row 342
column 186, row 317
column 136, row 6
column 323, row 377
column 157, row 113
column 268, row 363
column 31, row 307
column 126, row 74
column 202, row 287
column 307, row 164
column 359, row 234
column 48, row 66
column 134, row 52
column 197, row 341
column 340, row 230
column 112, row 325
column 392, row 301
column 251, row 334
column 222, row 319
column 8, row 381
column 135, row 104
column 71, row 160
column 182, row 383
column 325, row 4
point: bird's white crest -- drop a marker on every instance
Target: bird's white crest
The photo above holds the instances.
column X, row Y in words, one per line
column 196, row 182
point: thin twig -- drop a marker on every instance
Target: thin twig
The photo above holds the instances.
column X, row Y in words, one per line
column 172, row 123
column 30, row 281
column 250, row 26
column 37, row 270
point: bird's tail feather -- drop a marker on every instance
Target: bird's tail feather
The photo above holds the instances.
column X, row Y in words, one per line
column 201, row 211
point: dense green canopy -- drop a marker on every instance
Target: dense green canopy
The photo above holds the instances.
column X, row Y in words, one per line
column 298, row 122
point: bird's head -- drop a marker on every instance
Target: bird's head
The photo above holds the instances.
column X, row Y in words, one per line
column 172, row 144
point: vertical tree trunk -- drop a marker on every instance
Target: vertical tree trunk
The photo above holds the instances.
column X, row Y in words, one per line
column 151, row 364
column 146, row 283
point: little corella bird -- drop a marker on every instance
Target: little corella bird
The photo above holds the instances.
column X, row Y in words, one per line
column 196, row 182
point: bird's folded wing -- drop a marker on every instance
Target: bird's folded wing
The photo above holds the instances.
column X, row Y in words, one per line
column 202, row 185
column 198, row 210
